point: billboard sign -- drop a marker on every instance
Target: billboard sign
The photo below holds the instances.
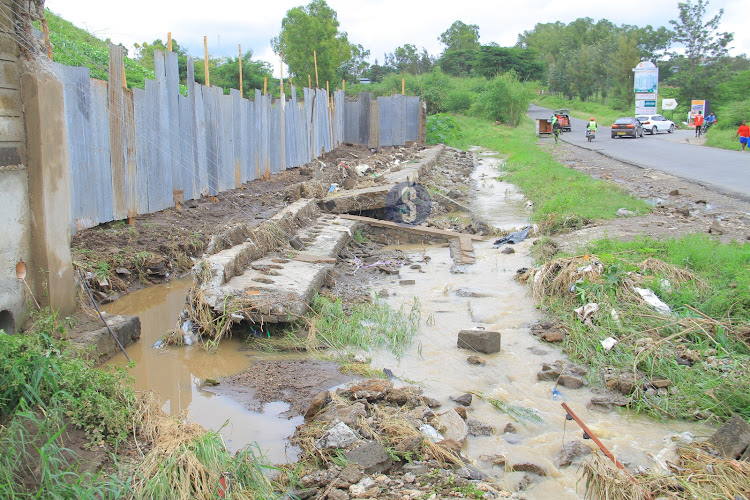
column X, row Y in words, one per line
column 645, row 107
column 646, row 77
column 668, row 104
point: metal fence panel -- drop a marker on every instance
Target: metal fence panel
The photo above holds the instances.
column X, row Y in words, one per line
column 186, row 141
column 116, row 109
column 172, row 89
column 102, row 178
column 213, row 150
column 143, row 148
column 165, row 197
column 412, row 118
column 386, row 121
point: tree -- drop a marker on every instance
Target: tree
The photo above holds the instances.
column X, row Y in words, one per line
column 356, row 66
column 308, row 29
column 407, row 59
column 704, row 46
column 144, row 53
column 460, row 36
column 226, row 73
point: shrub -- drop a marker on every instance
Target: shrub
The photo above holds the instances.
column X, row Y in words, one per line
column 505, row 99
column 442, row 128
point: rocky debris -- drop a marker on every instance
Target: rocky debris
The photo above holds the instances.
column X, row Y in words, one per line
column 476, row 360
column 507, row 250
column 529, row 467
column 570, row 381
column 509, row 428
column 484, row 341
column 474, row 293
column 732, row 439
column 318, row 402
column 627, row 383
column 431, row 402
column 496, row 460
column 661, row 383
column 478, row 428
column 683, row 211
column 716, row 228
column 567, row 375
column 624, row 212
column 608, row 402
column 570, row 452
column 553, row 336
column 463, row 399
column 461, row 410
column 392, row 432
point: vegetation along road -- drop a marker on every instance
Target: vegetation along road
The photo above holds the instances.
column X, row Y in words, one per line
column 721, row 169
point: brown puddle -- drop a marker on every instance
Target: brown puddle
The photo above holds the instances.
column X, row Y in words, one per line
column 175, row 374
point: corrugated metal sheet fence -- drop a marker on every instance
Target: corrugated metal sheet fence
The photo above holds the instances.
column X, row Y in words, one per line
column 142, row 151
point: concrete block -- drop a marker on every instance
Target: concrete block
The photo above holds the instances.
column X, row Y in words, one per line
column 126, row 328
column 479, row 340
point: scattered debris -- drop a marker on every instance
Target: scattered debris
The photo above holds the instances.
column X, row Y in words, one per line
column 513, row 238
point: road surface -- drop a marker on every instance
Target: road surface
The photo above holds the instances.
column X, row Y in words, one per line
column 720, row 169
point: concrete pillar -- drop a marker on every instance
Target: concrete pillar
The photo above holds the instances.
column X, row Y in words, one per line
column 49, row 187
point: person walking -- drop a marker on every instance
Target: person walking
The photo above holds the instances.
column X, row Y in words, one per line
column 698, row 124
column 744, row 133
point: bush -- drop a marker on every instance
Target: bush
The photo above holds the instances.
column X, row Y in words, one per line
column 442, row 128
column 732, row 114
column 505, row 99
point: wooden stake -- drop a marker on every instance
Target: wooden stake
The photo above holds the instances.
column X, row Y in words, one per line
column 169, row 41
column 403, row 86
column 328, row 91
column 131, row 221
column 315, row 59
column 205, row 60
column 281, row 58
column 239, row 46
column 343, row 85
column 309, row 83
column 265, row 84
column 124, row 80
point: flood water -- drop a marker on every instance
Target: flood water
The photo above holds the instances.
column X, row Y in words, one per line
column 176, row 373
column 504, row 305
column 433, row 361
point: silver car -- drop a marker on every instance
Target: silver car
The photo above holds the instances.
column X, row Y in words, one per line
column 656, row 123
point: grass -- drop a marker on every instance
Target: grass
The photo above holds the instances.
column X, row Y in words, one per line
column 702, row 346
column 563, row 197
column 723, row 138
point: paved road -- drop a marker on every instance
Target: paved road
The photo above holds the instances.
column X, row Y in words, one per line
column 724, row 170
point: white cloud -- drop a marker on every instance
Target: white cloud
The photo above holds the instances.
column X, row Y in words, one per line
column 379, row 25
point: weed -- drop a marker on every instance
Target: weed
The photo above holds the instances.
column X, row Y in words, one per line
column 360, row 237
column 102, row 270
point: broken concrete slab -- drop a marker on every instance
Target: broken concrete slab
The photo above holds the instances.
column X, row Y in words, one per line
column 127, row 329
column 733, row 438
column 372, row 198
column 371, row 456
column 485, row 341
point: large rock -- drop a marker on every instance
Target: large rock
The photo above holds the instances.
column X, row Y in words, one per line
column 127, row 329
column 732, row 438
column 479, row 340
column 570, row 452
column 338, row 436
column 348, row 414
column 479, row 428
column 371, row 456
column 371, row 390
column 452, row 426
column 317, row 404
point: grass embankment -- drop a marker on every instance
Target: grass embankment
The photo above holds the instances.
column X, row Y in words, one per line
column 723, row 138
column 563, row 197
column 49, row 393
column 584, row 110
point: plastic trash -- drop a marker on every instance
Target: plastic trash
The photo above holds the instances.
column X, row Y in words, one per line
column 158, row 344
column 556, row 395
column 334, row 187
column 586, row 313
column 513, row 238
column 431, row 433
column 609, row 343
column 651, row 299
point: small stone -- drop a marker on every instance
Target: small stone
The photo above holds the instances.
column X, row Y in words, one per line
column 624, row 212
column 463, row 399
column 371, row 390
column 627, row 383
column 303, row 494
column 317, row 403
column 383, row 293
column 529, row 467
column 371, row 456
column 476, row 360
column 674, row 192
column 406, row 282
column 495, row 460
column 337, row 494
column 409, row 477
column 509, row 428
column 661, row 383
column 360, row 358
column 350, row 475
column 682, row 211
column 478, row 428
column 508, row 250
column 452, row 426
column 471, row 473
column 716, row 228
column 553, row 336
column 415, row 468
column 570, row 381
column 571, row 451
column 409, row 444
column 461, row 410
column 123, row 271
column 431, row 402
column 450, row 444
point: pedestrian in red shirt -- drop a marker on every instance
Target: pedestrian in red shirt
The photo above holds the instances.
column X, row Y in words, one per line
column 698, row 124
column 744, row 133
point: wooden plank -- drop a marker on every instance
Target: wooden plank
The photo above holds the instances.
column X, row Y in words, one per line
column 236, row 134
column 430, row 231
column 142, row 129
column 374, row 141
column 131, row 155
column 173, row 120
column 117, row 132
column 314, row 259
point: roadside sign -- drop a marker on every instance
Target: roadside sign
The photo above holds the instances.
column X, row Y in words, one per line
column 642, row 96
column 646, row 77
column 645, row 107
column 669, row 103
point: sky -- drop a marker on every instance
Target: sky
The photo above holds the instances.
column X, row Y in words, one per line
column 379, row 25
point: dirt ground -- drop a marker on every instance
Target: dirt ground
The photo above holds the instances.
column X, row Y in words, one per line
column 680, row 206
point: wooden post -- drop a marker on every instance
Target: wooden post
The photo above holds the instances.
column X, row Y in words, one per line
column 343, row 85
column 309, row 83
column 265, row 84
column 403, row 86
column 124, row 80
column 169, row 41
column 328, row 91
column 281, row 83
column 205, row 60
column 239, row 46
column 315, row 60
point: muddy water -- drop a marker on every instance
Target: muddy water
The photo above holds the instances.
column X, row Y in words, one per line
column 503, row 305
column 175, row 374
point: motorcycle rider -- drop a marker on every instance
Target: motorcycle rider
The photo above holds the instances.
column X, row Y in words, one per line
column 591, row 126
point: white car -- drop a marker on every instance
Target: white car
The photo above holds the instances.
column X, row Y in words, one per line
column 655, row 123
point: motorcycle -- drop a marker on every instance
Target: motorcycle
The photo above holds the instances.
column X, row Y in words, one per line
column 590, row 135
